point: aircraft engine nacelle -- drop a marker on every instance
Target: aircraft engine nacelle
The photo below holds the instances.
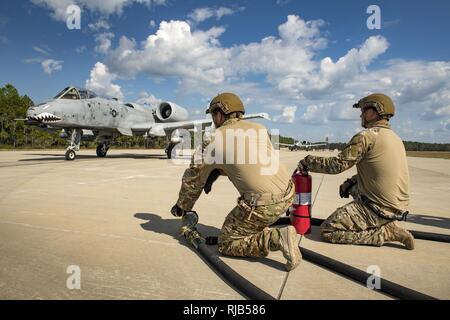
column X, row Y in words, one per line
column 169, row 112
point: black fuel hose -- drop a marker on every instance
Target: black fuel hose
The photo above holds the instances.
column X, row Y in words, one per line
column 430, row 236
column 233, row 278
column 386, row 286
column 439, row 237
column 189, row 231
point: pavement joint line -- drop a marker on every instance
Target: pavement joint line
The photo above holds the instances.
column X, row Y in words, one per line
column 27, row 225
column 318, row 189
column 283, row 284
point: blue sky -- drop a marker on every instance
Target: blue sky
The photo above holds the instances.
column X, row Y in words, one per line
column 303, row 62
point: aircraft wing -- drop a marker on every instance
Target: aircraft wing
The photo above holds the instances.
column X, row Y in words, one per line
column 284, row 144
column 159, row 129
column 316, row 144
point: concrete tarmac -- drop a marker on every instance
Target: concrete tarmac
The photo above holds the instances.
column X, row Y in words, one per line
column 111, row 218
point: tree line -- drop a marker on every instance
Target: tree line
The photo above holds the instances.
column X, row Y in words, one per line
column 15, row 134
column 409, row 146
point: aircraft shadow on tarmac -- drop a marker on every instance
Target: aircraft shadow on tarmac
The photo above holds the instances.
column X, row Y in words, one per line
column 171, row 227
column 59, row 157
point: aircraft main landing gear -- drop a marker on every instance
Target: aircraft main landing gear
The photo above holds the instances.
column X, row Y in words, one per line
column 102, row 149
column 169, row 149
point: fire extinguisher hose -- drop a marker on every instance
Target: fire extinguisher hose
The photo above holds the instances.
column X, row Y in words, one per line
column 439, row 237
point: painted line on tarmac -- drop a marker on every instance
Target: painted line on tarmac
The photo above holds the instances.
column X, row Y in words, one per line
column 40, row 163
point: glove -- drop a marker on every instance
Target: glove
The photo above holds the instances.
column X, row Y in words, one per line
column 176, row 211
column 344, row 189
column 212, row 177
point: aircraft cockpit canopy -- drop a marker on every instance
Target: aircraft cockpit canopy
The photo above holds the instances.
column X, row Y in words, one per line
column 86, row 94
column 73, row 93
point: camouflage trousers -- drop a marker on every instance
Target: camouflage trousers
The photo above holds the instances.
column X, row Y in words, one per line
column 246, row 232
column 356, row 223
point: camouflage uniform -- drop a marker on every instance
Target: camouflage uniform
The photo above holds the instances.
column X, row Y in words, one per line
column 245, row 231
column 382, row 179
column 355, row 223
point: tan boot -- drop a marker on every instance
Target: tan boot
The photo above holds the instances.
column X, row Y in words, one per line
column 393, row 232
column 289, row 247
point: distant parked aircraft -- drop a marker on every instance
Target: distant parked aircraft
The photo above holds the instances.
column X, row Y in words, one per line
column 297, row 145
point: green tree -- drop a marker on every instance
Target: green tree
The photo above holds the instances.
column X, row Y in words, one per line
column 15, row 133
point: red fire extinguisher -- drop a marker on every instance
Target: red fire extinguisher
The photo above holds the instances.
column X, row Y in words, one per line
column 300, row 211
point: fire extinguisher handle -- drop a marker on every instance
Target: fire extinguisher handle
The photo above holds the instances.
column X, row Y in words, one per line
column 303, row 172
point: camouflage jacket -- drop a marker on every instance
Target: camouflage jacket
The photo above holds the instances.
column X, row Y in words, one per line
column 354, row 152
column 249, row 176
column 192, row 183
column 195, row 177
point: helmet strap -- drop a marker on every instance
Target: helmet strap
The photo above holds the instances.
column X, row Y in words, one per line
column 233, row 115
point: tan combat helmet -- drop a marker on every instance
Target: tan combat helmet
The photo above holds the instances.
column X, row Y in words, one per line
column 381, row 102
column 227, row 102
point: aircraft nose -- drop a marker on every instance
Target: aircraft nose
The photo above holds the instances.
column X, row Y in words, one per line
column 31, row 112
column 42, row 113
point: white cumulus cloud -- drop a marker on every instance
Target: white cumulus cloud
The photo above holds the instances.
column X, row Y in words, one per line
column 99, row 25
column 40, row 50
column 287, row 116
column 173, row 51
column 105, row 8
column 101, row 82
column 81, row 49
column 103, row 41
column 150, row 99
column 202, row 14
column 50, row 65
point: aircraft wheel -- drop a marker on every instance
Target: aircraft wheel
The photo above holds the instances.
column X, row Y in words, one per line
column 101, row 152
column 70, row 155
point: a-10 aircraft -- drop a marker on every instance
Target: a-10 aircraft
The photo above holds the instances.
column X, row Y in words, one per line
column 82, row 115
column 297, row 145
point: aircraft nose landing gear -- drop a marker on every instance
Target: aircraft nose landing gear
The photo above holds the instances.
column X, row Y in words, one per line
column 75, row 140
column 70, row 155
